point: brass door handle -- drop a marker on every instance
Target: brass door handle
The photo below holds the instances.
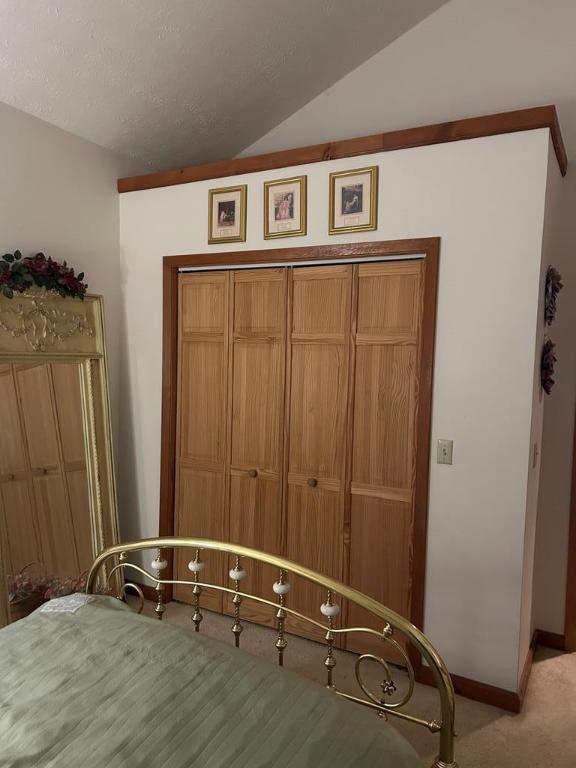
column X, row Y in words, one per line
column 312, row 482
column 253, row 472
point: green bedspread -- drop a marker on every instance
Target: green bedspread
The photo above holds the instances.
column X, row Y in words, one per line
column 104, row 688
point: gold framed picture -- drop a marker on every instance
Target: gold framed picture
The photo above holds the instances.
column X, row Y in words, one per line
column 285, row 207
column 353, row 200
column 227, row 214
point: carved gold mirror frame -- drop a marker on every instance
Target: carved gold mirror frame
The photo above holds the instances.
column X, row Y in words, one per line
column 42, row 326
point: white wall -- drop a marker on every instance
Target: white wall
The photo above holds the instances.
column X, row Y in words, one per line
column 485, row 198
column 527, row 614
column 555, row 480
column 471, row 58
column 468, row 58
column 58, row 195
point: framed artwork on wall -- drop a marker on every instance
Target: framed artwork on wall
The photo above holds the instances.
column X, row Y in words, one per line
column 353, row 200
column 227, row 214
column 285, row 207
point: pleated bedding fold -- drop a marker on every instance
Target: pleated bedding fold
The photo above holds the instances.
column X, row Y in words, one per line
column 106, row 688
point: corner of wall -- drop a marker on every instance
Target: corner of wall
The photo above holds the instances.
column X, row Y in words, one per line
column 551, row 550
column 527, row 620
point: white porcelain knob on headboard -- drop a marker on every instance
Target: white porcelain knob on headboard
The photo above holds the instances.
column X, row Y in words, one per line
column 281, row 588
column 329, row 610
column 237, row 574
column 159, row 565
column 196, row 566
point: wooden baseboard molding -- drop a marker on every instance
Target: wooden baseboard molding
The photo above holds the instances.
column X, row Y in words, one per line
column 551, row 640
column 488, row 694
column 525, row 676
column 473, row 689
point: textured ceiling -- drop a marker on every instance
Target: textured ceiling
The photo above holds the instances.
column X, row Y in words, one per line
column 177, row 82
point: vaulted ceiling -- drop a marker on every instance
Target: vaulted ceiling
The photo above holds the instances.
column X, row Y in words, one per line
column 172, row 82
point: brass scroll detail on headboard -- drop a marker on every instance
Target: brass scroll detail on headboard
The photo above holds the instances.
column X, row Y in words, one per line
column 385, row 703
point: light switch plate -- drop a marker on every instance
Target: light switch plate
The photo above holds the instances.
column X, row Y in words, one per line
column 444, row 452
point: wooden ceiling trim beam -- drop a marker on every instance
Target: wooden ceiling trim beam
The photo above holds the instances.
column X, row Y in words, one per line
column 457, row 130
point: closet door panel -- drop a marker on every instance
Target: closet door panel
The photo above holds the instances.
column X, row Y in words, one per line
column 201, row 432
column 203, row 303
column 12, row 453
column 68, row 400
column 315, row 522
column 202, row 435
column 200, row 515
column 379, row 560
column 17, row 507
column 319, row 363
column 79, row 508
column 255, row 513
column 257, row 418
column 317, row 410
column 55, row 526
column 259, row 303
column 384, row 439
column 321, row 302
column 389, row 302
column 257, row 401
column 34, row 386
column 384, row 417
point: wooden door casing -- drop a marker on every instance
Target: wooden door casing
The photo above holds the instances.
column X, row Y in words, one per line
column 427, row 252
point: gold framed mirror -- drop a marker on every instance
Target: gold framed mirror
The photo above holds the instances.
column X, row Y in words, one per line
column 58, row 504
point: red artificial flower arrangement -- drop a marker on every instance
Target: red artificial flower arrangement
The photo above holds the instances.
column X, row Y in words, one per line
column 18, row 274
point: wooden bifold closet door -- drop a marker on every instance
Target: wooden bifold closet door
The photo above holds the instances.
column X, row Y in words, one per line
column 43, row 480
column 297, row 426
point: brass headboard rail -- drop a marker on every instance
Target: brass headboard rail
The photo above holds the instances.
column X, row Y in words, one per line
column 392, row 622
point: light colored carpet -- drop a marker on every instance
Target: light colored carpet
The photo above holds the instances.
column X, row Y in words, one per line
column 543, row 735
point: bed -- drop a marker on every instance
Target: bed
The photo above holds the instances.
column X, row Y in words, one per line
column 89, row 682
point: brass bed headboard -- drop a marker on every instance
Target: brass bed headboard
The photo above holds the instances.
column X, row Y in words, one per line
column 392, row 622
